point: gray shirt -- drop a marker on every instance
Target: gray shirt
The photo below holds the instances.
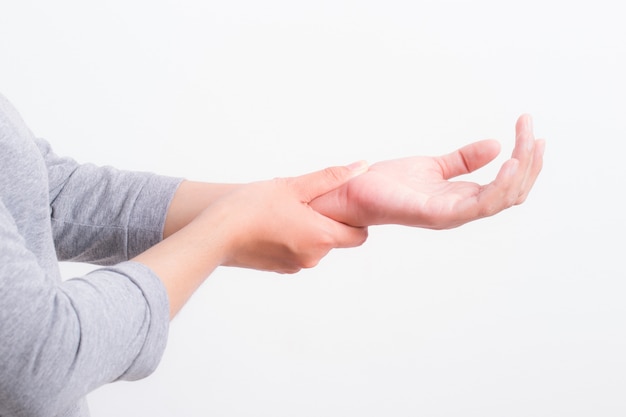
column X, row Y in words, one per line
column 59, row 340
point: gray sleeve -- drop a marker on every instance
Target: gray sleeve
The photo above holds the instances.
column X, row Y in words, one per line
column 59, row 341
column 102, row 215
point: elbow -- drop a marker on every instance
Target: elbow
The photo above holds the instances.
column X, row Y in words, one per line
column 37, row 359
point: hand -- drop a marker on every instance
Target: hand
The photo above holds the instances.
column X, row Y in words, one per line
column 269, row 225
column 265, row 225
column 417, row 191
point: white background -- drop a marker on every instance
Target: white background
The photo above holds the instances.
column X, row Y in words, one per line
column 522, row 314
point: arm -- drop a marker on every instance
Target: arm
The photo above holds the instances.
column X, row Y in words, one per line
column 418, row 191
column 413, row 191
column 190, row 199
column 65, row 339
column 61, row 340
column 103, row 215
column 267, row 225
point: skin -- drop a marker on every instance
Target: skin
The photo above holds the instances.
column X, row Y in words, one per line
column 266, row 225
column 287, row 224
column 418, row 191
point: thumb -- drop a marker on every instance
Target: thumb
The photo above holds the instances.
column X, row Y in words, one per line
column 310, row 186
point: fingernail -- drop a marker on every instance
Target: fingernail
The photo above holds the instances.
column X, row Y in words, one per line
column 529, row 122
column 358, row 166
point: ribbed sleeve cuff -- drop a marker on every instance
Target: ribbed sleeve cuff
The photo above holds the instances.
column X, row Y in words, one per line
column 158, row 323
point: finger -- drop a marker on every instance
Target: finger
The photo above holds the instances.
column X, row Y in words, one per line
column 348, row 236
column 534, row 170
column 311, row 186
column 507, row 187
column 468, row 158
column 335, row 235
column 512, row 187
column 494, row 197
column 524, row 144
column 524, row 137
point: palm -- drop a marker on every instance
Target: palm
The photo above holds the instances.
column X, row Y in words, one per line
column 418, row 191
column 410, row 191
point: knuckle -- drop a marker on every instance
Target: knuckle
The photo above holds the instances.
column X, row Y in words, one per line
column 312, row 258
column 440, row 226
column 512, row 199
column 334, row 174
column 489, row 210
column 363, row 236
column 326, row 241
column 310, row 263
column 355, row 240
column 283, row 182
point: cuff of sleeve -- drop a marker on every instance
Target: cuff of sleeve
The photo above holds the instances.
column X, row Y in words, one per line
column 147, row 218
column 158, row 321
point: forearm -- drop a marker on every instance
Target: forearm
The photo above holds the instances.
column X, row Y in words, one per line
column 103, row 215
column 188, row 256
column 267, row 225
column 190, row 199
